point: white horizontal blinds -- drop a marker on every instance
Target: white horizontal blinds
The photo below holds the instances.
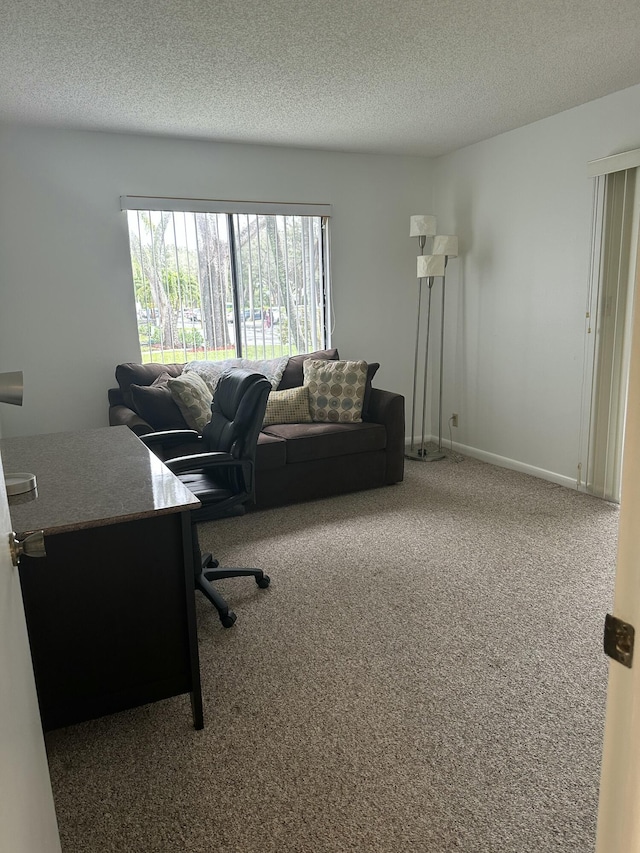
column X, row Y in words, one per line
column 213, row 285
column 618, row 243
column 204, row 205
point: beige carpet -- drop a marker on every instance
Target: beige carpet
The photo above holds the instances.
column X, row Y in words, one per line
column 424, row 674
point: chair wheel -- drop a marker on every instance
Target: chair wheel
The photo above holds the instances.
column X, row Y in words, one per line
column 263, row 582
column 228, row 618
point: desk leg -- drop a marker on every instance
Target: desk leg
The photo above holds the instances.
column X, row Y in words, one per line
column 196, row 692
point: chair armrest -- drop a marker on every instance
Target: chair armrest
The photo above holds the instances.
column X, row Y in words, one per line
column 170, row 437
column 202, row 460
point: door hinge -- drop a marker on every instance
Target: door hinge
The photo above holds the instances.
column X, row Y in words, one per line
column 28, row 546
column 618, row 640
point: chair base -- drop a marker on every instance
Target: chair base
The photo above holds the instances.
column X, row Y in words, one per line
column 209, row 572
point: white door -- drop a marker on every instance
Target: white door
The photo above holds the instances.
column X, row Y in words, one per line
column 27, row 816
column 619, row 809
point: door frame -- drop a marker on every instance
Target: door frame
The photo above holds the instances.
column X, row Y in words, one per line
column 27, row 813
column 619, row 804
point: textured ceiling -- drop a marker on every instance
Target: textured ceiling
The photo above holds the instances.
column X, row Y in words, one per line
column 402, row 76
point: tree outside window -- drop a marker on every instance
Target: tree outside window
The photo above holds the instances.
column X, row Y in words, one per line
column 219, row 285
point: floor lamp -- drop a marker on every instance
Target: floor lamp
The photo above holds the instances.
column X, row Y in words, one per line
column 445, row 246
column 429, row 266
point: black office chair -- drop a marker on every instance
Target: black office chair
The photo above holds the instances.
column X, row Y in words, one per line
column 223, row 476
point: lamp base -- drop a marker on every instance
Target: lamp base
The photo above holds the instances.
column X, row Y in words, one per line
column 19, row 483
column 425, row 456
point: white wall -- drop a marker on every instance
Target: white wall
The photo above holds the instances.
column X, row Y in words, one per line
column 68, row 315
column 521, row 204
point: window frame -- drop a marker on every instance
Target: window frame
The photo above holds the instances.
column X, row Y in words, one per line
column 232, row 210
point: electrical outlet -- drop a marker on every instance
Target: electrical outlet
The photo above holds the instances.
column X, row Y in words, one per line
column 454, row 419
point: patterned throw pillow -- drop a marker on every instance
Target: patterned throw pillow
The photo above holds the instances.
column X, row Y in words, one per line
column 193, row 397
column 293, row 376
column 336, row 389
column 288, row 407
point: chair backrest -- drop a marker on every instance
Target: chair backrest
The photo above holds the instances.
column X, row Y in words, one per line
column 237, row 413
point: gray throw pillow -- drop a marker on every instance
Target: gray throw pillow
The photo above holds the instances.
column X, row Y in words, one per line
column 193, row 398
column 155, row 404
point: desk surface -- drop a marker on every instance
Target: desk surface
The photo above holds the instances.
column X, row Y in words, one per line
column 90, row 479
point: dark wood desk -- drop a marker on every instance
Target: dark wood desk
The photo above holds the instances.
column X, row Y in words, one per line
column 110, row 610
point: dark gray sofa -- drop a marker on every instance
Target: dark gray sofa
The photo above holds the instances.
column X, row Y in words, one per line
column 294, row 462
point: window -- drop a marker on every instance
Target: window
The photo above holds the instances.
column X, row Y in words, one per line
column 215, row 280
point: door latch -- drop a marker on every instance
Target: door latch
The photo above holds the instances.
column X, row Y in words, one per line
column 618, row 640
column 30, row 546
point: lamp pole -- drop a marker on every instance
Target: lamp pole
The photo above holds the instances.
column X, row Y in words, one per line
column 421, row 241
column 445, row 245
column 441, row 362
column 422, row 226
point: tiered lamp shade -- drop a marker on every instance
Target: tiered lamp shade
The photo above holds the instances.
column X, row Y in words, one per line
column 429, row 265
column 445, row 244
column 423, row 225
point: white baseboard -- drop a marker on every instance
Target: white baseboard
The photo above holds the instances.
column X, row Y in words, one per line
column 505, row 462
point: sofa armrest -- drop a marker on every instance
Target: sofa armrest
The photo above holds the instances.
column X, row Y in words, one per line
column 116, row 397
column 124, row 416
column 387, row 408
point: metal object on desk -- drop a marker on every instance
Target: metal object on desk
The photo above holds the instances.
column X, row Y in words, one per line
column 23, row 498
column 20, row 483
column 11, row 388
column 11, row 391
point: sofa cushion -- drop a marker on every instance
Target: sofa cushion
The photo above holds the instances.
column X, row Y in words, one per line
column 130, row 373
column 324, row 440
column 193, row 398
column 336, row 389
column 271, row 452
column 155, row 404
column 290, row 406
column 293, row 375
